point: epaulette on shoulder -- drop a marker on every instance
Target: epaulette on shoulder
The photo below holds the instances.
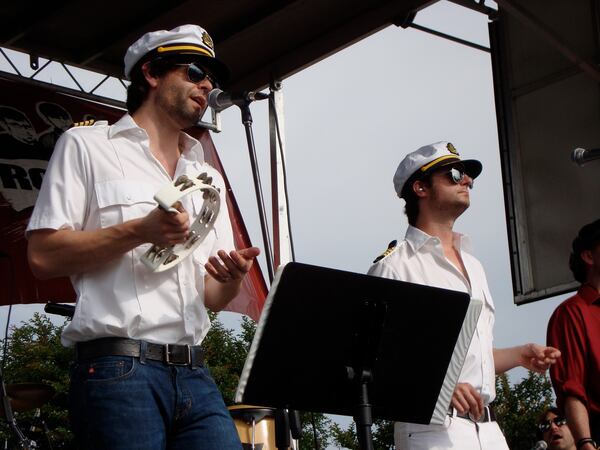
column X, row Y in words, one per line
column 391, row 247
column 84, row 123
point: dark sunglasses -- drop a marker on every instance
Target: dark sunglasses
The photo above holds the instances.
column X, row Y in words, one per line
column 196, row 73
column 546, row 424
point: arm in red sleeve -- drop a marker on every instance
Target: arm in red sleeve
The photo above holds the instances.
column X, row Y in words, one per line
column 566, row 332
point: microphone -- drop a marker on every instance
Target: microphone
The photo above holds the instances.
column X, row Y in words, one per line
column 219, row 100
column 540, row 445
column 581, row 156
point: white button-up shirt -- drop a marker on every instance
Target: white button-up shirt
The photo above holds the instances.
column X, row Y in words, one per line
column 100, row 176
column 419, row 258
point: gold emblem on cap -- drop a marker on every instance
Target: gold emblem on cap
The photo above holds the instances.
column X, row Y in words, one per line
column 208, row 40
column 451, row 148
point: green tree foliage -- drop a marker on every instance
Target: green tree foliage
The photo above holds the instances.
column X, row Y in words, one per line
column 382, row 433
column 518, row 407
column 34, row 354
column 226, row 353
column 316, row 431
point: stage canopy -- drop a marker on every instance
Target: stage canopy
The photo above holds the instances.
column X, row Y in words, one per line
column 259, row 39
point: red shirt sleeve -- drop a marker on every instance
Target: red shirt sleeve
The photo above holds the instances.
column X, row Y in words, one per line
column 566, row 331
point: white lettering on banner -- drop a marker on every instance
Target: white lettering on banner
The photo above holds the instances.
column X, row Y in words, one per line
column 20, row 181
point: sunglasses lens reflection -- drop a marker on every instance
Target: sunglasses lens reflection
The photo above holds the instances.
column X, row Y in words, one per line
column 456, row 175
column 558, row 421
column 196, row 74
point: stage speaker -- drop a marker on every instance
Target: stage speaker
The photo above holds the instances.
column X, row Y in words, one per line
column 545, row 57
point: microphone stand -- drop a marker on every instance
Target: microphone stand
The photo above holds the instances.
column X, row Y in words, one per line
column 247, row 121
column 282, row 416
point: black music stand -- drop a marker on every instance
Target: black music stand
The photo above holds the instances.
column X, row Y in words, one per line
column 343, row 343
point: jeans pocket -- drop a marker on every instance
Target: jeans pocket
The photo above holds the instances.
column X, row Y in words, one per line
column 108, row 369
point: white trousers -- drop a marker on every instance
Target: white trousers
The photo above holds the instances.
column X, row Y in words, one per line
column 455, row 434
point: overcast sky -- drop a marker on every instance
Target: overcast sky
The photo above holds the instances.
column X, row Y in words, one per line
column 350, row 119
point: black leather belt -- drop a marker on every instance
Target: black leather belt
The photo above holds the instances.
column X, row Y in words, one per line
column 171, row 354
column 488, row 415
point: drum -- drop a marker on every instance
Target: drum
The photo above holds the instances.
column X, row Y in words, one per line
column 255, row 426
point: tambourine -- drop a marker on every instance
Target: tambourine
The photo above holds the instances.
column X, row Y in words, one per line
column 159, row 258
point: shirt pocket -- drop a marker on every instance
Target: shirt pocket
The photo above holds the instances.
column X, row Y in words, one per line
column 123, row 200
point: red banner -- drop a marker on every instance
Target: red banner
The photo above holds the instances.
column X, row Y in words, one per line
column 32, row 118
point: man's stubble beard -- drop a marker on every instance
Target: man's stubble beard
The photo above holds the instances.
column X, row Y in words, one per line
column 455, row 207
column 175, row 106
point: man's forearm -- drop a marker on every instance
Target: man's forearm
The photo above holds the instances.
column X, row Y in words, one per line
column 506, row 359
column 56, row 253
column 578, row 420
column 217, row 295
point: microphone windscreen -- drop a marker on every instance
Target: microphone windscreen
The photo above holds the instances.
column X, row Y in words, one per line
column 213, row 99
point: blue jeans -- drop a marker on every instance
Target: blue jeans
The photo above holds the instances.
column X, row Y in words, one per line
column 119, row 403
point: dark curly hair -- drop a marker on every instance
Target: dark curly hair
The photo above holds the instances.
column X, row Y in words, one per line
column 587, row 239
column 139, row 87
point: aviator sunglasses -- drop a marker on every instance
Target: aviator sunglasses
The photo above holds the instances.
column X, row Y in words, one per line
column 196, row 73
column 546, row 424
column 457, row 174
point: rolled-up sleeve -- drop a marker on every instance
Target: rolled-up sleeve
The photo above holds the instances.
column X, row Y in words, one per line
column 63, row 194
column 566, row 331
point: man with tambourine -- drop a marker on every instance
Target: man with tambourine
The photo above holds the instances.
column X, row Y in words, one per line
column 143, row 274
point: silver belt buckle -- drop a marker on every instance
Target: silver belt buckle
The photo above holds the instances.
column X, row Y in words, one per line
column 484, row 416
column 168, row 361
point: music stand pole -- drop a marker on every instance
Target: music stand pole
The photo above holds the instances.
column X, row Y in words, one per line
column 369, row 323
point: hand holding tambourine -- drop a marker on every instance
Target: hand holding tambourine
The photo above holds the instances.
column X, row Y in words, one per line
column 159, row 258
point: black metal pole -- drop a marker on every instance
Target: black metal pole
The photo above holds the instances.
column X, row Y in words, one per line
column 369, row 324
column 363, row 417
column 282, row 429
column 247, row 121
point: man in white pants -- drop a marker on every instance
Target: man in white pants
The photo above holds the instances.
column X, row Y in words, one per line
column 435, row 184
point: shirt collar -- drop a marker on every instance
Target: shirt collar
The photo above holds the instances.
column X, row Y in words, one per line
column 124, row 124
column 588, row 293
column 418, row 238
column 191, row 148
